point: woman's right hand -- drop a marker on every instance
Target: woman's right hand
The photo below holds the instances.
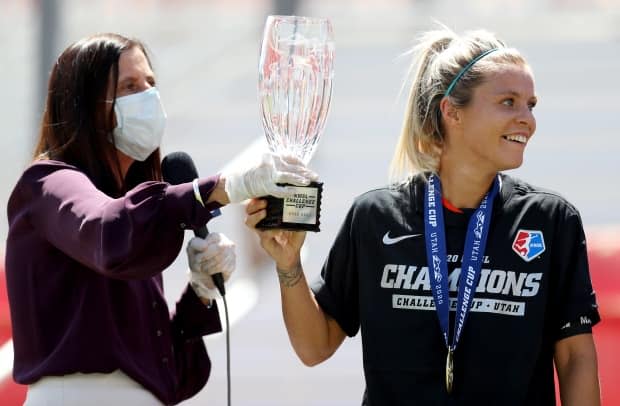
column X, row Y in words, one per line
column 282, row 245
column 263, row 178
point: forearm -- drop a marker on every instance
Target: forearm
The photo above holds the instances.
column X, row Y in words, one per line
column 579, row 384
column 219, row 192
column 578, row 376
column 311, row 333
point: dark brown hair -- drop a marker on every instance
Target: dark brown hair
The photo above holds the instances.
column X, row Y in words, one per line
column 75, row 128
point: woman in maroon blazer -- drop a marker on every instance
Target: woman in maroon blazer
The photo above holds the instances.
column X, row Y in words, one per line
column 91, row 228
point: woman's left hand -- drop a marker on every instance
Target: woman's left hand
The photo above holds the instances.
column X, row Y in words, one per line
column 282, row 245
column 209, row 256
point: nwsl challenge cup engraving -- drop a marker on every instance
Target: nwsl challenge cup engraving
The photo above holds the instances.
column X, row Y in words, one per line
column 301, row 207
column 301, row 211
column 295, row 87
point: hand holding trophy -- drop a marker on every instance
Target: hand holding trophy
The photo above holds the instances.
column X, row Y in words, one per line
column 295, row 87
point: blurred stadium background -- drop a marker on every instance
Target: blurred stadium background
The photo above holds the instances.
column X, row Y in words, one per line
column 205, row 54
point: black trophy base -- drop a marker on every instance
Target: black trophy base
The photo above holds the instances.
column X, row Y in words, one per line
column 301, row 212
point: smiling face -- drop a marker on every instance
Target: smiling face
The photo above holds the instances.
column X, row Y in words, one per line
column 492, row 130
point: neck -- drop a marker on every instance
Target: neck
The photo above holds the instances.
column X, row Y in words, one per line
column 124, row 163
column 464, row 186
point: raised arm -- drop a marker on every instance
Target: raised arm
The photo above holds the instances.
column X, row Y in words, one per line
column 131, row 237
column 313, row 335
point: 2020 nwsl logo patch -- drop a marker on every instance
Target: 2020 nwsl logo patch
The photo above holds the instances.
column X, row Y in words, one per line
column 528, row 244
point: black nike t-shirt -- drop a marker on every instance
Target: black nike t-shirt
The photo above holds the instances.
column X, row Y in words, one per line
column 534, row 289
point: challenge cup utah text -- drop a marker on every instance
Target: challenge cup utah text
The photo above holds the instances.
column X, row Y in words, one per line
column 510, row 284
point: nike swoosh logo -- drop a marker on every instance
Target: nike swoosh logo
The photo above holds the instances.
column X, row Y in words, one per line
column 387, row 240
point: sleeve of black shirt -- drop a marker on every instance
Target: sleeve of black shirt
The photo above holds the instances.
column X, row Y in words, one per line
column 576, row 309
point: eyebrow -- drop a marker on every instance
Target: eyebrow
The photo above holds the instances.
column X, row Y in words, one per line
column 123, row 80
column 513, row 93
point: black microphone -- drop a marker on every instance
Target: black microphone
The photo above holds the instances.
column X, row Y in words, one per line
column 177, row 168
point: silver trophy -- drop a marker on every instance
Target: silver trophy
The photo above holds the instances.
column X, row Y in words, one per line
column 296, row 71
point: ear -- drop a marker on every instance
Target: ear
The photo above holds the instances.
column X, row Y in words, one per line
column 449, row 112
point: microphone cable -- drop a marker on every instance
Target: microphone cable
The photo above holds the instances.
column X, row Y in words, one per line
column 177, row 168
column 219, row 283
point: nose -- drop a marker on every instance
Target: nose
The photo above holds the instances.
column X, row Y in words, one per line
column 527, row 119
column 145, row 85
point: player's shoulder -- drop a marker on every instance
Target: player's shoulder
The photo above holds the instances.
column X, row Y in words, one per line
column 393, row 196
column 516, row 191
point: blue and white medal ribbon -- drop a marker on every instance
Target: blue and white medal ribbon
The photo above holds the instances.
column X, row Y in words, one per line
column 436, row 253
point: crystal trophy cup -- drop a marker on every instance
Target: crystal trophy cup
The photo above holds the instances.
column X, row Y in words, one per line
column 294, row 90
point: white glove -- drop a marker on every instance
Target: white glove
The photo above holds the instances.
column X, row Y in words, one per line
column 214, row 254
column 261, row 179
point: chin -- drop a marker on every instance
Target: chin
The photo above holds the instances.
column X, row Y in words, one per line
column 510, row 164
column 510, row 158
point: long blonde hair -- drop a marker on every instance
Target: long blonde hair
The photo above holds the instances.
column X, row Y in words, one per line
column 438, row 57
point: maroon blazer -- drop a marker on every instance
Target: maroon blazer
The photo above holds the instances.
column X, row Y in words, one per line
column 84, row 281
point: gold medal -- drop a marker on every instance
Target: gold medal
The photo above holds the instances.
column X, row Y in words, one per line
column 449, row 370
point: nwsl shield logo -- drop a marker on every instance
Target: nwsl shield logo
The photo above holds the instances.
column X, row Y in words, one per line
column 528, row 244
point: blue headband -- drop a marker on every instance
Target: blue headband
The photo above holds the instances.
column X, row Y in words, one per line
column 465, row 69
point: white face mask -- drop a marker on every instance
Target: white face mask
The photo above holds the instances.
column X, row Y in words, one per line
column 140, row 123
